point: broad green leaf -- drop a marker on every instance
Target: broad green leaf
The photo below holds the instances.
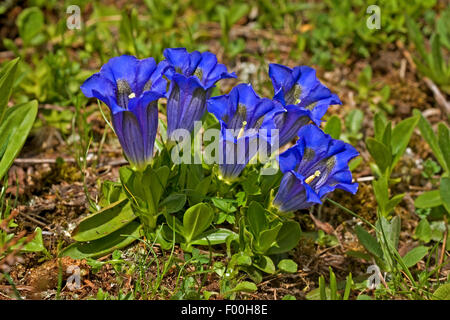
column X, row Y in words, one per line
column 428, row 199
column 256, row 217
column 444, row 142
column 104, row 222
column 353, row 121
column 423, row 231
column 242, row 259
column 380, row 153
column 14, row 129
column 287, row 238
column 444, row 191
column 30, row 23
column 213, row 237
column 414, row 256
column 6, row 82
column 369, row 242
column 200, row 191
column 380, row 189
column 401, row 135
column 100, row 247
column 245, row 286
column 196, row 220
column 266, row 239
column 287, row 265
column 379, row 123
column 442, row 293
column 174, row 202
column 264, row 263
column 35, row 245
column 333, row 127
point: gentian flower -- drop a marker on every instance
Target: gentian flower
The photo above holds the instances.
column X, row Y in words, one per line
column 131, row 89
column 192, row 75
column 243, row 116
column 303, row 96
column 313, row 168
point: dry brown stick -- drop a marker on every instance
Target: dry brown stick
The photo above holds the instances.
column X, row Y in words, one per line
column 26, row 216
column 438, row 96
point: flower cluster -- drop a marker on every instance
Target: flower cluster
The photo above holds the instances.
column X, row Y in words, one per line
column 312, row 168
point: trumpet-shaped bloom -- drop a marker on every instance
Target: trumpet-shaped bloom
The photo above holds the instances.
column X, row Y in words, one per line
column 303, row 96
column 131, row 89
column 192, row 76
column 246, row 121
column 313, row 168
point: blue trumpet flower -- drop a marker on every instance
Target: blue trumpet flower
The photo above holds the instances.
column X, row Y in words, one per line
column 314, row 167
column 246, row 121
column 131, row 89
column 303, row 96
column 192, row 75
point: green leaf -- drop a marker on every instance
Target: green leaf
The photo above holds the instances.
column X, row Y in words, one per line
column 174, row 202
column 256, row 217
column 288, row 266
column 196, row 219
column 380, row 189
column 444, row 142
column 379, row 123
column 333, row 127
column 264, row 263
column 104, row 222
column 442, row 293
column 213, row 237
column 423, row 231
column 245, row 286
column 287, row 238
column 428, row 199
column 30, row 23
column 437, row 61
column 444, row 191
column 100, row 247
column 369, row 242
column 427, row 133
column 414, row 256
column 266, row 239
column 6, row 82
column 200, row 191
column 353, row 121
column 393, row 202
column 35, row 245
column 401, row 135
column 14, row 129
column 380, row 153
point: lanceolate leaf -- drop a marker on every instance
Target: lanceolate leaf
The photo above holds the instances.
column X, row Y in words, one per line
column 444, row 191
column 369, row 242
column 414, row 256
column 14, row 129
column 104, row 222
column 196, row 220
column 400, row 137
column 100, row 247
column 444, row 142
column 428, row 199
column 6, row 83
column 427, row 133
